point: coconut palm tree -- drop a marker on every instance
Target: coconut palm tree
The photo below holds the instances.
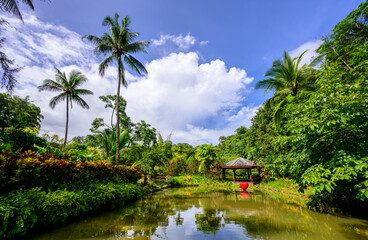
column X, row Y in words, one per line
column 286, row 77
column 69, row 91
column 106, row 140
column 118, row 45
column 12, row 6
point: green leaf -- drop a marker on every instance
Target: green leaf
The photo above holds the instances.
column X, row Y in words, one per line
column 328, row 188
column 343, row 120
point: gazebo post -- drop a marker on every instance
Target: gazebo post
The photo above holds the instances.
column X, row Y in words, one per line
column 250, row 174
column 223, row 174
column 233, row 175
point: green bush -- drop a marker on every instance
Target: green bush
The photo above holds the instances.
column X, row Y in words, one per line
column 24, row 210
column 16, row 140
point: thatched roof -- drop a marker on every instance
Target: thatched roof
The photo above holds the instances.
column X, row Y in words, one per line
column 240, row 162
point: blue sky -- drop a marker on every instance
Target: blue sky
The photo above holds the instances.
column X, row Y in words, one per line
column 204, row 58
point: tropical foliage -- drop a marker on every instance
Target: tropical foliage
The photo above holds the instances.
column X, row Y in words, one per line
column 34, row 208
column 322, row 139
column 287, row 78
column 119, row 45
column 69, row 91
column 28, row 170
column 18, row 113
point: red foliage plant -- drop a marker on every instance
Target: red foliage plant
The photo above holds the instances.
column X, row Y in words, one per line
column 28, row 170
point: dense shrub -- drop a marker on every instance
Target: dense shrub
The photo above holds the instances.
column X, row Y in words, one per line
column 28, row 170
column 22, row 211
column 20, row 140
column 71, row 152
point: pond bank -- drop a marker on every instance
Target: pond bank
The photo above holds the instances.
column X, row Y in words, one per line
column 187, row 213
column 23, row 212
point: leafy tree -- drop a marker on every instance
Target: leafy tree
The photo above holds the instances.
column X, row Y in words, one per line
column 119, row 44
column 144, row 134
column 286, row 77
column 156, row 160
column 69, row 91
column 206, row 153
column 110, row 101
column 79, row 139
column 183, row 160
column 18, row 113
column 331, row 129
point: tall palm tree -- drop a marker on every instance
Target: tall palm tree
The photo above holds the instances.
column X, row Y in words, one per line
column 286, row 77
column 118, row 45
column 69, row 91
column 12, row 6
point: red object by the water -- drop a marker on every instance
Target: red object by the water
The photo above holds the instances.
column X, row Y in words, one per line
column 244, row 194
column 243, row 185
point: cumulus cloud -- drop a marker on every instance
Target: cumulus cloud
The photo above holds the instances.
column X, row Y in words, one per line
column 199, row 135
column 199, row 102
column 39, row 47
column 179, row 92
column 183, row 43
column 310, row 54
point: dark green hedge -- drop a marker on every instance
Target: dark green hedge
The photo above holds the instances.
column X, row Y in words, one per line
column 24, row 210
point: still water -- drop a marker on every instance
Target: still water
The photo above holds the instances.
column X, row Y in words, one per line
column 184, row 214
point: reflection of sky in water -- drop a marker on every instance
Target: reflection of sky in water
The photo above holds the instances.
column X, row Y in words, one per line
column 177, row 214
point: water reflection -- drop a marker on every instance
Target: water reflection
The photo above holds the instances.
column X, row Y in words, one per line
column 186, row 214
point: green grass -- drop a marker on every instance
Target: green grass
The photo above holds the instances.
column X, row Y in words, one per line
column 282, row 185
column 202, row 182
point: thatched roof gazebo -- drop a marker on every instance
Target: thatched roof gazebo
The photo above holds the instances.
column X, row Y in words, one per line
column 241, row 163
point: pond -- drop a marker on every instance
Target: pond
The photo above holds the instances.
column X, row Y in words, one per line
column 186, row 213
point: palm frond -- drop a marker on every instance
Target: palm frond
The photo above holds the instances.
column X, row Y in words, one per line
column 134, row 64
column 137, row 46
column 82, row 92
column 50, row 85
column 105, row 64
column 277, row 113
column 108, row 21
column 76, row 78
column 12, row 7
column 123, row 80
column 57, row 99
column 75, row 98
column 270, row 84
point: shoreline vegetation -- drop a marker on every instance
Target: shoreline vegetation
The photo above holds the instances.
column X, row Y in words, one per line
column 75, row 189
column 314, row 130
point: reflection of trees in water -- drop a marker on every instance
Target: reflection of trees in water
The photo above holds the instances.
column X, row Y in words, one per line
column 178, row 220
column 208, row 222
column 154, row 211
column 260, row 217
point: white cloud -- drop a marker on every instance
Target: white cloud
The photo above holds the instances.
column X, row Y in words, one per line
column 199, row 135
column 310, row 54
column 39, row 46
column 200, row 102
column 182, row 42
column 179, row 93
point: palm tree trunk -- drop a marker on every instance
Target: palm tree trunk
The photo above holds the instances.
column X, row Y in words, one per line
column 67, row 119
column 117, row 111
column 112, row 116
